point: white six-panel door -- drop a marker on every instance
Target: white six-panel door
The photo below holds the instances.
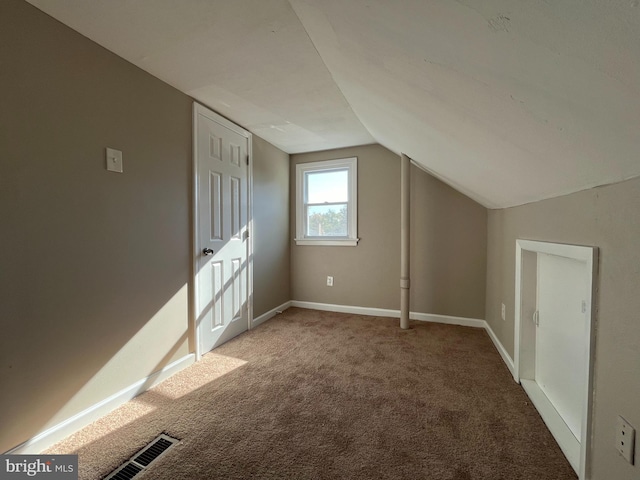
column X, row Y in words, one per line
column 221, row 277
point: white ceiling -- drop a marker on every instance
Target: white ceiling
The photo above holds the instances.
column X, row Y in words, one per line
column 508, row 101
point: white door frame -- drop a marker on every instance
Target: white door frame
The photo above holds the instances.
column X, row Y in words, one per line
column 202, row 110
column 578, row 455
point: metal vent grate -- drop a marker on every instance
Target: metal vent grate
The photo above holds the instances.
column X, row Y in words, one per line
column 127, row 472
column 152, row 452
column 143, row 459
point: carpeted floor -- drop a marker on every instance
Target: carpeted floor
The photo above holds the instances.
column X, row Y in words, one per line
column 324, row 395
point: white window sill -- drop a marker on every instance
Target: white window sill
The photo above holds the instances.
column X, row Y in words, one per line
column 344, row 242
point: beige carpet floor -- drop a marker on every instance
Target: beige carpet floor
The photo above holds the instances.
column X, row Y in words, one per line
column 318, row 395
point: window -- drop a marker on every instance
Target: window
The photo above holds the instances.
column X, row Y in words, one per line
column 326, row 202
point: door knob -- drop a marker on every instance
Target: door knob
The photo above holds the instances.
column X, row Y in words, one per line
column 207, row 251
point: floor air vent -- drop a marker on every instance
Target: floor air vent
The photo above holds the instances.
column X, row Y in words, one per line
column 143, row 459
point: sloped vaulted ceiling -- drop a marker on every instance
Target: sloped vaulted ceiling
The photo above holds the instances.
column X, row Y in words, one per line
column 508, row 101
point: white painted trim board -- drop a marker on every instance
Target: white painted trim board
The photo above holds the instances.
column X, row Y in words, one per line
column 424, row 317
column 270, row 314
column 52, row 435
column 580, row 460
column 567, row 442
column 384, row 312
column 506, row 358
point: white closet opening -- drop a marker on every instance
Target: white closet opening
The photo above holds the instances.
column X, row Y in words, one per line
column 554, row 339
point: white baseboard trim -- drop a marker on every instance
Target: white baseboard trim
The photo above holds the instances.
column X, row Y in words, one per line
column 52, row 435
column 270, row 314
column 329, row 307
column 424, row 317
column 449, row 320
column 506, row 358
column 568, row 443
column 56, row 433
column 383, row 312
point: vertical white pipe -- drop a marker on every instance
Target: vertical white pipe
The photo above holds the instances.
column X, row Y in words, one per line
column 405, row 199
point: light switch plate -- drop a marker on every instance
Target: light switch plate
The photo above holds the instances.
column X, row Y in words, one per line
column 625, row 439
column 114, row 160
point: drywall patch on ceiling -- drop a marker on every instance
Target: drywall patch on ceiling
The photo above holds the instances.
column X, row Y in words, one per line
column 499, row 23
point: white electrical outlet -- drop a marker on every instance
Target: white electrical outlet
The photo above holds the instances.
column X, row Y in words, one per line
column 329, row 281
column 504, row 312
column 625, row 439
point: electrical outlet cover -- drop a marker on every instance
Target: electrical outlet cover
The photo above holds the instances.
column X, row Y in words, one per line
column 625, row 439
column 114, row 160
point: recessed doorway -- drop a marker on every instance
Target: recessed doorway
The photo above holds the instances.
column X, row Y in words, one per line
column 555, row 338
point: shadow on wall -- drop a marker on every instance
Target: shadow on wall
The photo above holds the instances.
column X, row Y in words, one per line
column 69, row 377
column 161, row 340
column 95, row 264
column 114, row 438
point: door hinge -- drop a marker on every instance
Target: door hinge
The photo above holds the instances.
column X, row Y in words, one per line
column 584, row 306
column 246, row 234
column 247, row 159
column 536, row 317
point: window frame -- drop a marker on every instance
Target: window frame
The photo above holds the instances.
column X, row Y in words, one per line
column 302, row 169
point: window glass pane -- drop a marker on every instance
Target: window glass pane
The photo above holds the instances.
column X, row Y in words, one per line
column 327, row 220
column 330, row 187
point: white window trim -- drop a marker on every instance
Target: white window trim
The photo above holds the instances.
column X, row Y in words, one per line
column 352, row 209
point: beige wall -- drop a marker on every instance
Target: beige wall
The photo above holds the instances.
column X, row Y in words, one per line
column 93, row 265
column 448, row 249
column 271, row 259
column 448, row 243
column 608, row 218
column 366, row 275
